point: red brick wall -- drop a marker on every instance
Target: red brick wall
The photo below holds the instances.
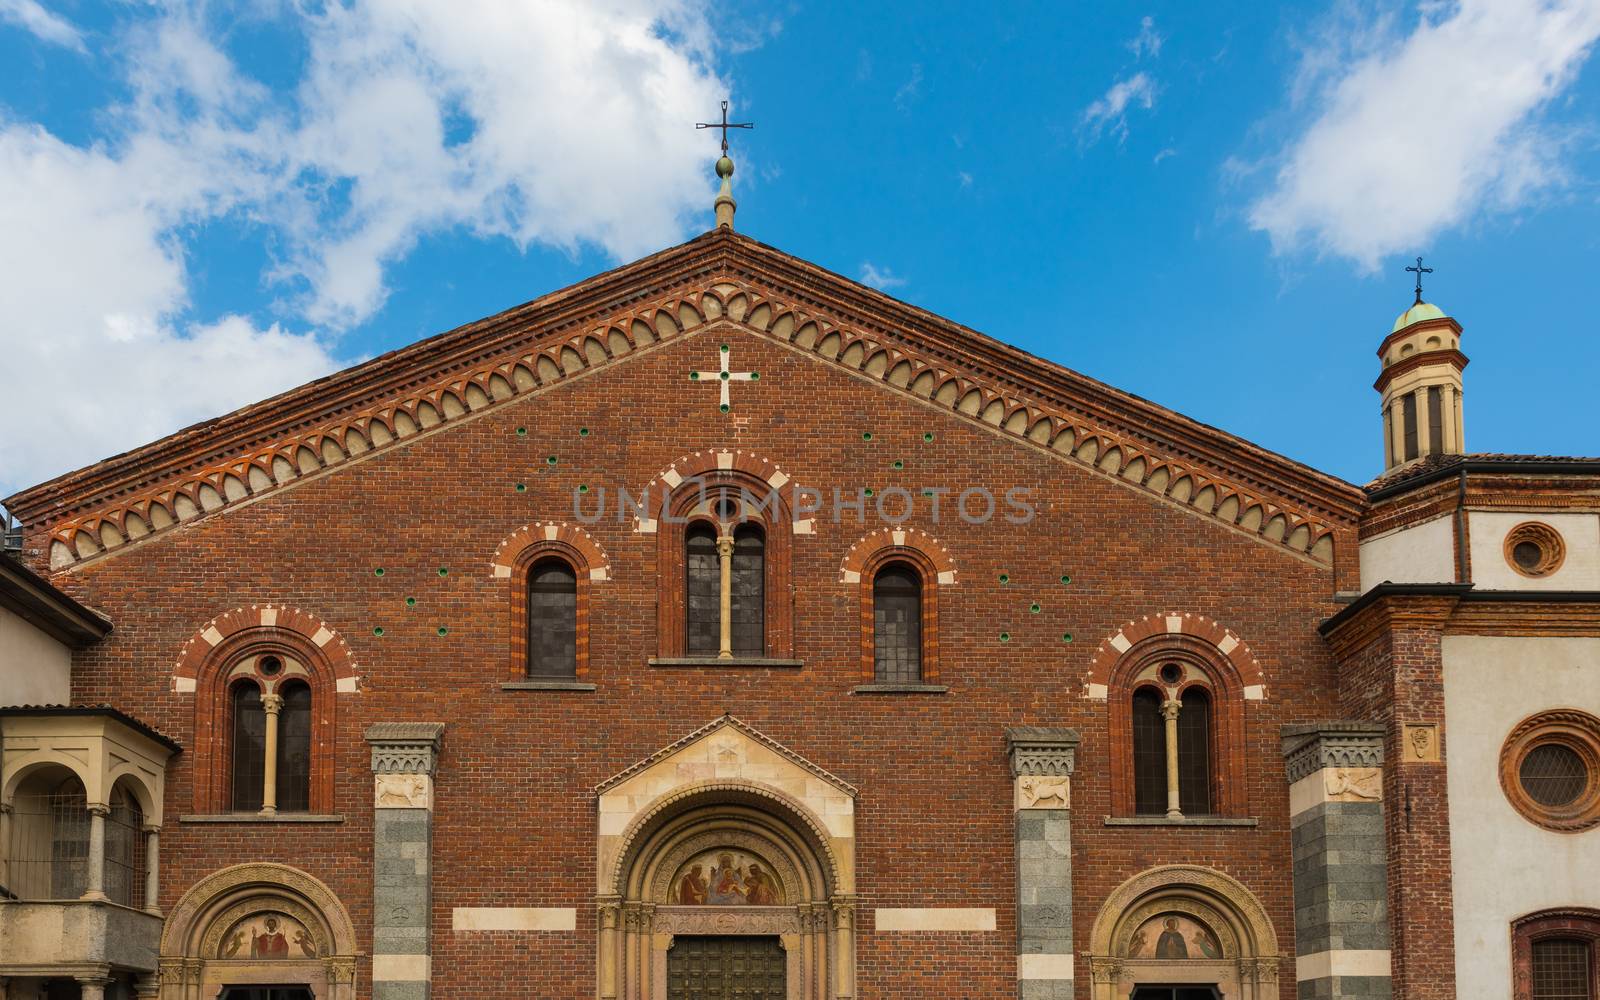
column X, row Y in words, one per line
column 1397, row 676
column 515, row 815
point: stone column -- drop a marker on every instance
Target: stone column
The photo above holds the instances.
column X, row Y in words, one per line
column 725, row 600
column 608, row 915
column 1447, row 411
column 1042, row 761
column 1424, row 424
column 93, row 987
column 272, row 704
column 844, row 938
column 5, row 849
column 404, row 755
column 96, row 888
column 1341, row 927
column 152, row 869
column 1169, row 715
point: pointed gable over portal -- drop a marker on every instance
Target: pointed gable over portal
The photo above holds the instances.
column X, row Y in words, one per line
column 720, row 278
column 726, row 761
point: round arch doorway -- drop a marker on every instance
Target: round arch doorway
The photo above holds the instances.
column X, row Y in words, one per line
column 726, row 892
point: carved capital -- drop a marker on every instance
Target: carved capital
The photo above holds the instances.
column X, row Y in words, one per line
column 1104, row 970
column 1040, row 751
column 1308, row 749
column 272, row 704
column 405, row 747
column 1169, row 709
column 342, row 970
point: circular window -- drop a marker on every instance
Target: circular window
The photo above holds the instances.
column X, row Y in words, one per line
column 269, row 665
column 1550, row 769
column 1171, row 673
column 1534, row 549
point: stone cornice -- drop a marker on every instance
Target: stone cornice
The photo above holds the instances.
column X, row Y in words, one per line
column 1308, row 748
column 1042, row 751
column 716, row 278
column 405, row 747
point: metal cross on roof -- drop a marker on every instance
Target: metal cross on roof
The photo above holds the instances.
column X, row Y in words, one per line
column 1419, row 270
column 724, row 377
column 724, row 125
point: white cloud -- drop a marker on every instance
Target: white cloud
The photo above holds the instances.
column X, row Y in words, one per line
column 882, row 279
column 96, row 361
column 1148, row 41
column 1163, row 154
column 1110, row 112
column 1413, row 133
column 561, row 123
column 964, row 179
column 52, row 28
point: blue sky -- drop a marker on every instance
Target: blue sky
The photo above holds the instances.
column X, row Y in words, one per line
column 1207, row 205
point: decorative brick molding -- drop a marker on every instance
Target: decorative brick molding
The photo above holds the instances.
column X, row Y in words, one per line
column 1210, row 657
column 680, row 492
column 1228, row 646
column 1571, row 923
column 935, row 570
column 514, row 559
column 204, row 667
column 720, row 277
column 264, row 621
column 1309, row 748
column 759, row 473
column 1573, row 730
column 541, row 535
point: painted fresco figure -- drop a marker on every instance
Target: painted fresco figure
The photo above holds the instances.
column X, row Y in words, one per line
column 1171, row 943
column 760, row 890
column 272, row 943
column 692, row 890
column 727, row 883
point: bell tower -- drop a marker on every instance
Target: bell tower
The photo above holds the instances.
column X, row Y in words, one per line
column 1420, row 382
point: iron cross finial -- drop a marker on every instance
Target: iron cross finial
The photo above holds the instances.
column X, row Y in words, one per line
column 724, row 125
column 1419, row 270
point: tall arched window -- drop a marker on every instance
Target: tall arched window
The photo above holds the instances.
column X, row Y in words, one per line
column 1149, row 754
column 703, row 590
column 897, row 625
column 1194, row 753
column 552, row 619
column 249, row 738
column 294, row 749
column 749, row 591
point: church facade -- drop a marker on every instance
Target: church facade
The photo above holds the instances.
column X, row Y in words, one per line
column 721, row 627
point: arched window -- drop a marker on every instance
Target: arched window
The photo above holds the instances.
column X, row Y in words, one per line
column 294, row 749
column 125, row 856
column 723, row 534
column 1149, row 754
column 897, row 625
column 749, row 591
column 1176, row 713
column 703, row 590
column 1194, row 753
column 1555, row 955
column 249, row 738
column 552, row 619
column 69, row 840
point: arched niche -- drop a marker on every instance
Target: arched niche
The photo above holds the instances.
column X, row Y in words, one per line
column 1183, row 924
column 673, row 826
column 258, row 924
